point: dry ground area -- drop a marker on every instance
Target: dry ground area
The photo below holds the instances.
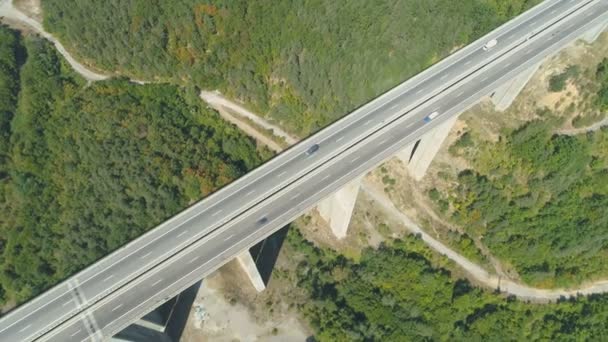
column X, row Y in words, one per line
column 31, row 8
column 227, row 308
column 250, row 129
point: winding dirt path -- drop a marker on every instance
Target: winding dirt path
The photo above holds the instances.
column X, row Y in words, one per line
column 215, row 99
column 11, row 13
column 481, row 275
column 248, row 129
column 582, row 130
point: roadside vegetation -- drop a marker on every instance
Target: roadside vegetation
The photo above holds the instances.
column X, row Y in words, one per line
column 87, row 169
column 557, row 82
column 403, row 291
column 303, row 63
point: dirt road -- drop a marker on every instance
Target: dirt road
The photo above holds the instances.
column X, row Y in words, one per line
column 583, row 130
column 10, row 13
column 216, row 99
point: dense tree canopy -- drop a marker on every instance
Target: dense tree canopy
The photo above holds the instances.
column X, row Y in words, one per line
column 305, row 63
column 10, row 55
column 396, row 293
column 90, row 168
column 539, row 200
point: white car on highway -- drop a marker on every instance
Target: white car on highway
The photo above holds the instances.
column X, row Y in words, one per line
column 430, row 117
column 492, row 43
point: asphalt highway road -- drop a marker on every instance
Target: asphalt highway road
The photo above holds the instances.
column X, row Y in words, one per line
column 190, row 245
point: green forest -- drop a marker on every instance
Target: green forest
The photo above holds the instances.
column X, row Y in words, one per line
column 85, row 169
column 303, row 63
column 538, row 198
column 404, row 292
column 542, row 204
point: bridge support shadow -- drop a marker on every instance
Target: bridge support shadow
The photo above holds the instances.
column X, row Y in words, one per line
column 266, row 252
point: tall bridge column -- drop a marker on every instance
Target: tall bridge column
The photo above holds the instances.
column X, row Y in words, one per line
column 592, row 35
column 258, row 261
column 245, row 259
column 506, row 94
column 338, row 208
column 165, row 324
column 419, row 155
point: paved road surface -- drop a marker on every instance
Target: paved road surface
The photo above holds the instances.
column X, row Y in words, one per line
column 190, row 245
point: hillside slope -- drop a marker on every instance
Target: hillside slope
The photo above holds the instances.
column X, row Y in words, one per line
column 303, row 63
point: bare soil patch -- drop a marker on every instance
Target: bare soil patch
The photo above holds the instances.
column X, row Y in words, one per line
column 228, row 308
column 31, row 8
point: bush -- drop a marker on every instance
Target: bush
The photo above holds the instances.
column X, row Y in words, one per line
column 558, row 82
column 601, row 76
column 464, row 141
column 531, row 194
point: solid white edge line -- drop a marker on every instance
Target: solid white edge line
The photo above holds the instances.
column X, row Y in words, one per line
column 76, row 332
column 194, row 259
column 25, row 328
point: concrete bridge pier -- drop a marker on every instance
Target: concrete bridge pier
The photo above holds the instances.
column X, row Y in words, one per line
column 419, row 155
column 337, row 209
column 258, row 261
column 504, row 96
column 247, row 263
column 592, row 35
column 165, row 324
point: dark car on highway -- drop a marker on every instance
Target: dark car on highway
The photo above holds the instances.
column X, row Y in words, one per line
column 312, row 149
